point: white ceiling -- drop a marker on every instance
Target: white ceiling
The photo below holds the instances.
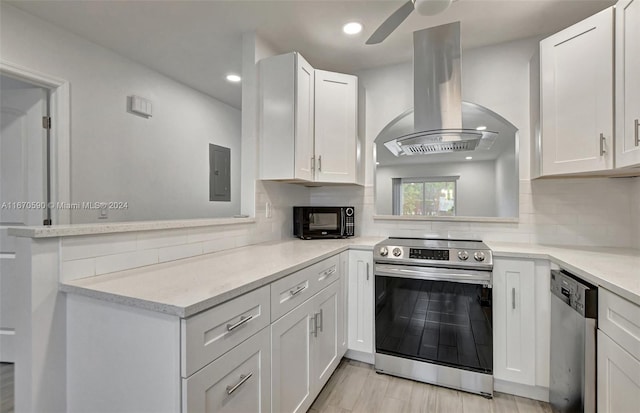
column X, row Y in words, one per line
column 199, row 42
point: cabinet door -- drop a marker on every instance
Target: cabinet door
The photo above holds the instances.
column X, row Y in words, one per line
column 324, row 347
column 304, row 118
column 291, row 360
column 576, row 70
column 342, row 309
column 627, row 83
column 336, row 118
column 514, row 321
column 360, row 302
column 618, row 377
column 237, row 382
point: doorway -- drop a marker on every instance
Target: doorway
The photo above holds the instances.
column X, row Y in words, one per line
column 24, row 186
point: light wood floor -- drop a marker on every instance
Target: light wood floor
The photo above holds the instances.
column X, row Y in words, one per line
column 356, row 387
column 6, row 388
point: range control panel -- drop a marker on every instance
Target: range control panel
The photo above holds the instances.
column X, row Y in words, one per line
column 433, row 252
column 428, row 254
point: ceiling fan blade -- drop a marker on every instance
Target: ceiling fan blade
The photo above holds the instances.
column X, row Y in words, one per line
column 391, row 23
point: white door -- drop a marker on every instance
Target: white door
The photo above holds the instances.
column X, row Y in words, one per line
column 618, row 377
column 627, row 83
column 514, row 321
column 336, row 120
column 22, row 188
column 304, row 118
column 291, row 361
column 324, row 347
column 360, row 302
column 576, row 74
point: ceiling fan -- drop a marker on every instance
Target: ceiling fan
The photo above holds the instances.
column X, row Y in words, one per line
column 423, row 7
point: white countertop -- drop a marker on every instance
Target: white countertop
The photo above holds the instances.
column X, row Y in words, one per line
column 616, row 269
column 188, row 286
column 116, row 227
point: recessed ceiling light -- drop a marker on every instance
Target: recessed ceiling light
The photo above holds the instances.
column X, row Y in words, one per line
column 352, row 28
column 469, row 158
column 481, row 128
column 233, row 78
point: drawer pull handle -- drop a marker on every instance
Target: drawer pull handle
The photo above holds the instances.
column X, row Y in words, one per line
column 319, row 323
column 602, row 143
column 297, row 290
column 243, row 379
column 328, row 273
column 231, row 327
column 513, row 298
column 636, row 126
column 314, row 322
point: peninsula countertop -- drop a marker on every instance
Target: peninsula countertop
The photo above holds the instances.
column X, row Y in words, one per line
column 188, row 286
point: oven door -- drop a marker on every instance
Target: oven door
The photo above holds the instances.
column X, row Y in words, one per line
column 436, row 315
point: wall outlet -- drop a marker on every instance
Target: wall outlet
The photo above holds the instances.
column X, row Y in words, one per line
column 267, row 210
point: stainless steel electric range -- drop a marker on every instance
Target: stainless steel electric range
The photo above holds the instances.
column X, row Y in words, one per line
column 433, row 319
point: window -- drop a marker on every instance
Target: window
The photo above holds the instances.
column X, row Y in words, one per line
column 430, row 196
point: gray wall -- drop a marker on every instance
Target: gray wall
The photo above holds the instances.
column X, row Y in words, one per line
column 475, row 188
column 158, row 165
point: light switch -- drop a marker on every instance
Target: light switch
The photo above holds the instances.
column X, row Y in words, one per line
column 141, row 106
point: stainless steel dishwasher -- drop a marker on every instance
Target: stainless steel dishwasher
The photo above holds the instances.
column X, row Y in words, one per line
column 574, row 311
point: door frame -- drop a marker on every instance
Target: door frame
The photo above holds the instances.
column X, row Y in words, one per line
column 60, row 133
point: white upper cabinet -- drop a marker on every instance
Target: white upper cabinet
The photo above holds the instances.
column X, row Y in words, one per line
column 307, row 122
column 627, row 83
column 336, row 126
column 286, row 115
column 576, row 74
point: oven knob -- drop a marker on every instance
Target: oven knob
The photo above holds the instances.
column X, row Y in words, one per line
column 397, row 252
column 463, row 255
column 478, row 256
column 384, row 251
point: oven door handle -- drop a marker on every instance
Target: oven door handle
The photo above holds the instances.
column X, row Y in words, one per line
column 434, row 274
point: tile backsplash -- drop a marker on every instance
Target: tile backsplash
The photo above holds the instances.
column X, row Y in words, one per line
column 584, row 212
column 90, row 255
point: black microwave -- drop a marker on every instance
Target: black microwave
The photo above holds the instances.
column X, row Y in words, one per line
column 323, row 222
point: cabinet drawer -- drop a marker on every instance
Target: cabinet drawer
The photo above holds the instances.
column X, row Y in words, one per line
column 238, row 382
column 327, row 271
column 620, row 319
column 208, row 335
column 292, row 290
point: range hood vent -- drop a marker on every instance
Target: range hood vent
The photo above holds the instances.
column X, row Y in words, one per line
column 437, row 97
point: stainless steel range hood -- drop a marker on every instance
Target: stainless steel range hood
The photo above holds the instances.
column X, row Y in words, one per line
column 436, row 126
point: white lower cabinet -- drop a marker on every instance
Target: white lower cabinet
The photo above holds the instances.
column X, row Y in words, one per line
column 521, row 326
column 618, row 377
column 237, row 382
column 305, row 351
column 343, row 322
column 360, row 302
column 618, row 354
column 291, row 360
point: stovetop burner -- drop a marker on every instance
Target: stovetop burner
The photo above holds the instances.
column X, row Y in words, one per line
column 453, row 253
